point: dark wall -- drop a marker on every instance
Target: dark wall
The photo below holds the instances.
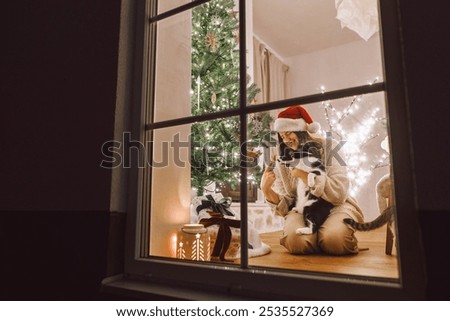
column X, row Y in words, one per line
column 58, row 105
column 426, row 33
column 57, row 108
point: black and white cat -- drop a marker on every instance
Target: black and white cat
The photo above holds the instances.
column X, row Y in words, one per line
column 385, row 217
column 315, row 209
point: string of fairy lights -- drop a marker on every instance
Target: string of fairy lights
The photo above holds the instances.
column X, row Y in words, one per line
column 358, row 136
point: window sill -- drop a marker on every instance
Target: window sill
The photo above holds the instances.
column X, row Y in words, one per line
column 124, row 287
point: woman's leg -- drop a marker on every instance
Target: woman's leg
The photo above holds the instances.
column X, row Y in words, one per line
column 335, row 237
column 294, row 243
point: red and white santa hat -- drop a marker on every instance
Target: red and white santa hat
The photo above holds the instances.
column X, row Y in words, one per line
column 295, row 119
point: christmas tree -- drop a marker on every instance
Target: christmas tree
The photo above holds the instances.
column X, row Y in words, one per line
column 215, row 148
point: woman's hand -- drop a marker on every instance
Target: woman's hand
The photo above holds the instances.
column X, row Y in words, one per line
column 267, row 180
column 298, row 173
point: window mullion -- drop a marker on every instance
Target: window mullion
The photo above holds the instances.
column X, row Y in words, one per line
column 157, row 17
column 243, row 133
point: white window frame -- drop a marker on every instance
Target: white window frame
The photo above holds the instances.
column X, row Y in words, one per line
column 145, row 275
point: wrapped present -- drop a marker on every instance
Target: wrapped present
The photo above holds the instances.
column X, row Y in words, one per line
column 214, row 212
column 210, row 204
column 223, row 237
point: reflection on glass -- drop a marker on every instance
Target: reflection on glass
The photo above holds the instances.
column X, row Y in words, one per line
column 301, row 48
column 355, row 153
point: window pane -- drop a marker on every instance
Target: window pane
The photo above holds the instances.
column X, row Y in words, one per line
column 299, row 48
column 191, row 166
column 173, row 68
column 197, row 62
column 170, row 188
column 359, row 159
column 215, row 164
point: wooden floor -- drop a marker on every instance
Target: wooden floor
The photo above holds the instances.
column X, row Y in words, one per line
column 372, row 262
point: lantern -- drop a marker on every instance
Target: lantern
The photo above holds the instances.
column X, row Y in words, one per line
column 193, row 243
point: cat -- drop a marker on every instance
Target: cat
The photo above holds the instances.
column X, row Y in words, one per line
column 315, row 209
column 385, row 217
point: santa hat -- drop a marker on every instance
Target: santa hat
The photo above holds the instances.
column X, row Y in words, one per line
column 295, row 119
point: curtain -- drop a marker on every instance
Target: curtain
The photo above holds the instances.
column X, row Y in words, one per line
column 269, row 72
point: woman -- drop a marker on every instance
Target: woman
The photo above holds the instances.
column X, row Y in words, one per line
column 295, row 126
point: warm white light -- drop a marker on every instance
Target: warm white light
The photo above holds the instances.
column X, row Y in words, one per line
column 193, row 243
column 356, row 136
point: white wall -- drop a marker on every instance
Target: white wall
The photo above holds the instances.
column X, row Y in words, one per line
column 353, row 64
column 170, row 199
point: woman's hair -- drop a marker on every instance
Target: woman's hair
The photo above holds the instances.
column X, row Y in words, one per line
column 285, row 152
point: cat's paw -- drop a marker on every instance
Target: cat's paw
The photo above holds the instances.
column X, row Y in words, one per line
column 304, row 230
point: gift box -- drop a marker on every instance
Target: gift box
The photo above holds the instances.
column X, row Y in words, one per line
column 214, row 212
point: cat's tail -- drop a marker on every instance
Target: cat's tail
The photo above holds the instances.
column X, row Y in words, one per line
column 383, row 218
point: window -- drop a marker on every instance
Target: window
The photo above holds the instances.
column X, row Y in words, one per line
column 210, row 78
